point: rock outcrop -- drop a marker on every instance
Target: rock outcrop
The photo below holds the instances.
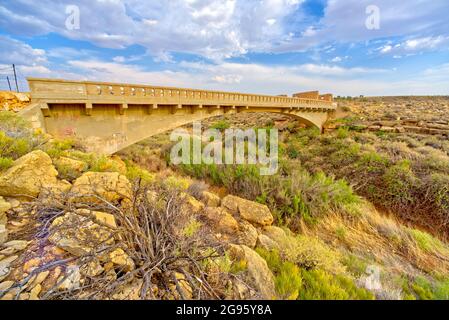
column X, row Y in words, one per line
column 79, row 235
column 260, row 276
column 29, row 175
column 94, row 187
column 251, row 211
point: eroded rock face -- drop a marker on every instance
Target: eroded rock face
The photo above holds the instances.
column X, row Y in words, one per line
column 261, row 277
column 251, row 211
column 29, row 175
column 110, row 186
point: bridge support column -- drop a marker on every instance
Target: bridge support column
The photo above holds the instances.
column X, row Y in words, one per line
column 151, row 108
column 122, row 108
column 88, row 108
column 212, row 108
column 45, row 110
column 175, row 108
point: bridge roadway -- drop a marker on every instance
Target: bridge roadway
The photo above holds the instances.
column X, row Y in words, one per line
column 107, row 117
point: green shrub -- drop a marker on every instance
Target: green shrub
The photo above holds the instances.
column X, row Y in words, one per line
column 427, row 289
column 5, row 163
column 221, row 125
column 342, row 133
column 288, row 279
column 56, row 148
column 13, row 147
column 320, row 285
column 134, row 172
column 400, row 183
column 191, row 228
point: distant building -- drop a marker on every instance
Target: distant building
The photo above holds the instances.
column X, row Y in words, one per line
column 307, row 95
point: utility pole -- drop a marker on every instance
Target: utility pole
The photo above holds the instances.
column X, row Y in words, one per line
column 9, row 83
column 15, row 77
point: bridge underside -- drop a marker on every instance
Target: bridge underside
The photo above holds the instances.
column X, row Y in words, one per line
column 108, row 128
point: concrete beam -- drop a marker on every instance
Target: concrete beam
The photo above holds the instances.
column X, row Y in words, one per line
column 45, row 110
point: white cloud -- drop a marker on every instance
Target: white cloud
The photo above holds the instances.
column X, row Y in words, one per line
column 344, row 22
column 251, row 78
column 213, row 28
column 14, row 51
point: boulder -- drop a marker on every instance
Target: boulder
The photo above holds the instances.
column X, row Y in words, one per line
column 71, row 166
column 121, row 259
column 191, row 205
column 79, row 235
column 92, row 268
column 101, row 218
column 71, row 280
column 247, row 234
column 210, row 199
column 94, row 186
column 28, row 175
column 251, row 211
column 276, row 234
column 14, row 246
column 260, row 276
column 5, row 266
column 4, row 206
column 5, row 286
column 267, row 243
column 221, row 220
column 119, row 164
column 3, row 234
column 130, row 291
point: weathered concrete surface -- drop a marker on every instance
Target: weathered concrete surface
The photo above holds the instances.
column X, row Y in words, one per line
column 108, row 117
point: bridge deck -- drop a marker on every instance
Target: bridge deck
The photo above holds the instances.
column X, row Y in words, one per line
column 52, row 91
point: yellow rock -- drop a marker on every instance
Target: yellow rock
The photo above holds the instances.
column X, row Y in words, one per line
column 102, row 218
column 211, row 199
column 221, row 220
column 6, row 285
column 28, row 175
column 122, row 260
column 34, row 293
column 260, row 276
column 79, row 235
column 72, row 165
column 251, row 211
column 95, row 186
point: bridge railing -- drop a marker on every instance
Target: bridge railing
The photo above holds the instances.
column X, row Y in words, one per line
column 85, row 90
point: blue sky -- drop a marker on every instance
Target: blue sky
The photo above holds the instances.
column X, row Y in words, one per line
column 260, row 46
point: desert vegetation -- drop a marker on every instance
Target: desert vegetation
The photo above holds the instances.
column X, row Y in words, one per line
column 351, row 214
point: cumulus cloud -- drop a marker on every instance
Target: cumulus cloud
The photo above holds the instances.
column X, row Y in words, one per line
column 415, row 45
column 214, row 28
column 344, row 22
column 14, row 51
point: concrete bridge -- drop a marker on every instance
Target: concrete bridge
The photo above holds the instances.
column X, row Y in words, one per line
column 107, row 117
